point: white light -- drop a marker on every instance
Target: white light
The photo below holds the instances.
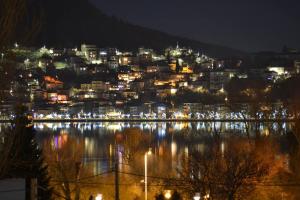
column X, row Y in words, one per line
column 197, row 196
column 99, row 197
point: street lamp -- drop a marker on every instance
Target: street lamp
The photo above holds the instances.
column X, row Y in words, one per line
column 197, row 196
column 168, row 194
column 146, row 171
column 99, row 197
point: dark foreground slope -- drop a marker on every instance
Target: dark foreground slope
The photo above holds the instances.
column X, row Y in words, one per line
column 68, row 23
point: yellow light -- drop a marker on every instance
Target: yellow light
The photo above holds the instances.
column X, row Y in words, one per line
column 168, row 194
column 173, row 91
column 149, row 152
column 206, row 196
column 173, row 148
column 266, row 132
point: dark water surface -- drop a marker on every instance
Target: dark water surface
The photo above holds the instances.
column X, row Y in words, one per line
column 94, row 146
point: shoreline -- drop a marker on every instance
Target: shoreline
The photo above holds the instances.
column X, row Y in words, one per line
column 151, row 120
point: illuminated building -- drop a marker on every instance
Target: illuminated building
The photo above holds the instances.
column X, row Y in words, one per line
column 95, row 86
column 78, row 65
column 218, row 79
column 161, row 110
column 113, row 63
column 52, row 83
column 90, row 52
column 192, row 108
column 127, row 59
column 129, row 77
column 128, row 94
column 152, row 69
column 44, row 61
column 145, row 55
column 165, row 91
column 186, row 69
column 137, row 85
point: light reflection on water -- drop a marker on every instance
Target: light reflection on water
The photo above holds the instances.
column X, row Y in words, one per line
column 168, row 140
column 159, row 127
column 170, row 143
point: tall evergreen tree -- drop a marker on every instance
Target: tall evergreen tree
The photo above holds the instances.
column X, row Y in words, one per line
column 27, row 159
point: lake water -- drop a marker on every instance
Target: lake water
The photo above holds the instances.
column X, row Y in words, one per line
column 165, row 139
column 94, row 146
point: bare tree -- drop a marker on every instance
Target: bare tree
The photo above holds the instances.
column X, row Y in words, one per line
column 229, row 174
column 66, row 167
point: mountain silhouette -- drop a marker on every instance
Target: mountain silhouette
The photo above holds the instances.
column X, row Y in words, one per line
column 69, row 23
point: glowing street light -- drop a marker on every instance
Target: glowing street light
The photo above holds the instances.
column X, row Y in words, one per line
column 168, row 194
column 99, row 197
column 146, row 171
column 197, row 196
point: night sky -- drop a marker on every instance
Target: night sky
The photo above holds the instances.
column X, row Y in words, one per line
column 250, row 25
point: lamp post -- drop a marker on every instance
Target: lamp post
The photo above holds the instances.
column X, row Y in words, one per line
column 146, row 171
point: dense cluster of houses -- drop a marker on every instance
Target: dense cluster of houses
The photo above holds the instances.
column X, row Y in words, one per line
column 109, row 83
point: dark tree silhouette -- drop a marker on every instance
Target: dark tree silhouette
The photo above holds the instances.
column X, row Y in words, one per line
column 23, row 157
